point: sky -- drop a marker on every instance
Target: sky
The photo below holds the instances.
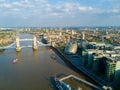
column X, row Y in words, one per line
column 59, row 13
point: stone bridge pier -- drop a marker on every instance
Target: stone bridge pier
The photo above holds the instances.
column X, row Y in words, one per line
column 18, row 48
column 35, row 46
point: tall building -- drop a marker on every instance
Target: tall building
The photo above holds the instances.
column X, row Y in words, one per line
column 90, row 58
column 95, row 64
column 83, row 35
column 73, row 32
column 60, row 33
column 71, row 47
column 117, row 71
column 83, row 44
column 110, row 70
column 84, row 57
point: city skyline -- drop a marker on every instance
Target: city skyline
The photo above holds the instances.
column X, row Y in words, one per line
column 41, row 13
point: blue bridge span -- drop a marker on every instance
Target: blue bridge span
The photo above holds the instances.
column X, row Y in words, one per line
column 18, row 41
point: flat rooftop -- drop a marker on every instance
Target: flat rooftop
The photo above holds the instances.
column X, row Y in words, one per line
column 75, row 83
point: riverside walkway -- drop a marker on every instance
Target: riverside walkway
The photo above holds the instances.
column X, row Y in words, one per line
column 76, row 63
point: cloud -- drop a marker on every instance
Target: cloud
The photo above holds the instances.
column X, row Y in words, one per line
column 6, row 6
column 112, row 0
column 54, row 14
column 60, row 10
column 115, row 11
column 15, row 9
column 17, row 3
column 69, row 8
column 82, row 8
column 42, row 1
column 2, row 0
column 23, row 4
column 43, row 7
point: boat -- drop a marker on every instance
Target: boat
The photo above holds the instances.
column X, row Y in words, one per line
column 15, row 61
column 53, row 57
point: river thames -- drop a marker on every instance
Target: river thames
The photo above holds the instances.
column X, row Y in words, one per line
column 33, row 71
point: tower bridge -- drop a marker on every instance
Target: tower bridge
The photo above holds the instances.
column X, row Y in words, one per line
column 18, row 47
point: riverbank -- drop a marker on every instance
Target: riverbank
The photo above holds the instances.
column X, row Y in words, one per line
column 76, row 64
column 6, row 38
column 5, row 42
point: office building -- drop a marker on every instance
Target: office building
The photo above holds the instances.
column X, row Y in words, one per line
column 110, row 69
column 71, row 48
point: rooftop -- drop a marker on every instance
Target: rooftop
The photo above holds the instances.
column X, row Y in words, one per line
column 75, row 83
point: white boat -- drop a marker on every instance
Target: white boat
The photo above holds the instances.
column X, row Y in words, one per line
column 15, row 61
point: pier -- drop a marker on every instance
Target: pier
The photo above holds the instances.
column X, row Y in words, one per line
column 78, row 81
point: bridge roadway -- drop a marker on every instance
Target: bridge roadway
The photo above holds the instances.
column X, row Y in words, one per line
column 13, row 45
column 26, row 39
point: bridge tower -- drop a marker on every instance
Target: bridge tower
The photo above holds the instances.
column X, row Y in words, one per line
column 18, row 44
column 35, row 46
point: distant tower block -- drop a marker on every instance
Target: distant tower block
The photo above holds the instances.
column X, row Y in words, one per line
column 106, row 33
column 18, row 44
column 83, row 35
column 35, row 46
column 73, row 32
column 60, row 34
